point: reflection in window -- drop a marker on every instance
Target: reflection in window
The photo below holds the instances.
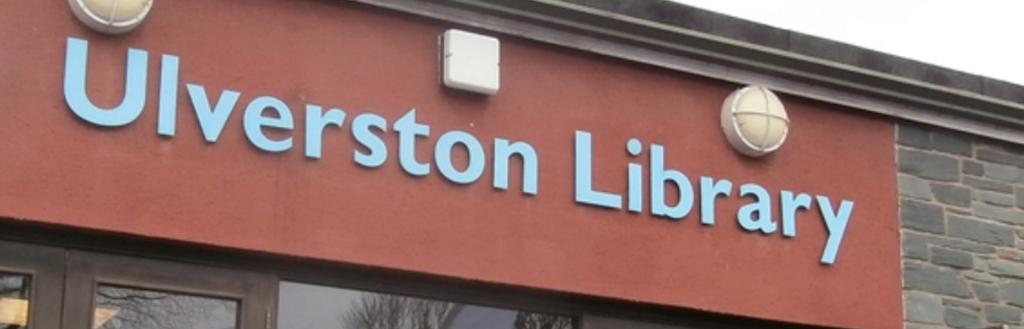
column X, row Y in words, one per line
column 127, row 308
column 14, row 297
column 304, row 306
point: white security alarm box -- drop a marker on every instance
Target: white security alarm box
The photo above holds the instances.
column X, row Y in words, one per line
column 471, row 62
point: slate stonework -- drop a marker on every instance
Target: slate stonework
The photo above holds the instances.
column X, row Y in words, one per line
column 962, row 220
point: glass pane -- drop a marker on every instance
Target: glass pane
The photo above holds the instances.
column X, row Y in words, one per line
column 129, row 308
column 14, row 296
column 304, row 306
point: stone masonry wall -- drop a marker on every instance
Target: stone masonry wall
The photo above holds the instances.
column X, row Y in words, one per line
column 962, row 217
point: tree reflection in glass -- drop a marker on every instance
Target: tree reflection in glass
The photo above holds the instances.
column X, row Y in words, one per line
column 128, row 308
column 305, row 306
column 377, row 311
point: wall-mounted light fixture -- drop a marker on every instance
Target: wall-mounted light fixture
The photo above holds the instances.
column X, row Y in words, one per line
column 111, row 16
column 471, row 62
column 754, row 121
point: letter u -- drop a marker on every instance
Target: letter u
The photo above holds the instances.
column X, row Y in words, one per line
column 75, row 92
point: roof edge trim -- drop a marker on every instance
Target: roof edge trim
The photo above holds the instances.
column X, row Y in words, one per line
column 625, row 37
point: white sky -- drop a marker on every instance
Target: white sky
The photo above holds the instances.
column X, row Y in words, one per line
column 984, row 37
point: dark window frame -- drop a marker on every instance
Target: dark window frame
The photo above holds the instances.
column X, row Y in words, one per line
column 373, row 279
column 492, row 303
column 255, row 292
column 45, row 267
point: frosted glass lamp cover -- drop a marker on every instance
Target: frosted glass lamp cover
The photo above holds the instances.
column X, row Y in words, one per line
column 755, row 121
column 111, row 16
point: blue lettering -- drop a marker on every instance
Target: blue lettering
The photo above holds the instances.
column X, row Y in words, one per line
column 254, row 121
column 211, row 121
column 74, row 87
column 584, row 186
column 167, row 113
column 836, row 223
column 790, row 205
column 372, row 151
column 408, row 130
column 635, row 174
column 503, row 153
column 756, row 216
column 316, row 122
column 377, row 152
column 443, row 157
column 659, row 177
column 710, row 190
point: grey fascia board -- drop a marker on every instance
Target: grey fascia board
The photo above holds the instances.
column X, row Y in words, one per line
column 634, row 39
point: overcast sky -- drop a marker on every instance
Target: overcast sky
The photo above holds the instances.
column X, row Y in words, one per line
column 983, row 37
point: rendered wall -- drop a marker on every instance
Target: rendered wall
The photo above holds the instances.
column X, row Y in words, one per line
column 962, row 212
column 59, row 169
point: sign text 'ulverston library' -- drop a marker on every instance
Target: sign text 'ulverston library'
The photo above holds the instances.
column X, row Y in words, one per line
column 263, row 113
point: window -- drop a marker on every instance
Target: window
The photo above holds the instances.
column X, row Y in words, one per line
column 55, row 288
column 304, row 306
column 130, row 308
column 14, row 299
column 30, row 286
column 43, row 287
column 116, row 292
